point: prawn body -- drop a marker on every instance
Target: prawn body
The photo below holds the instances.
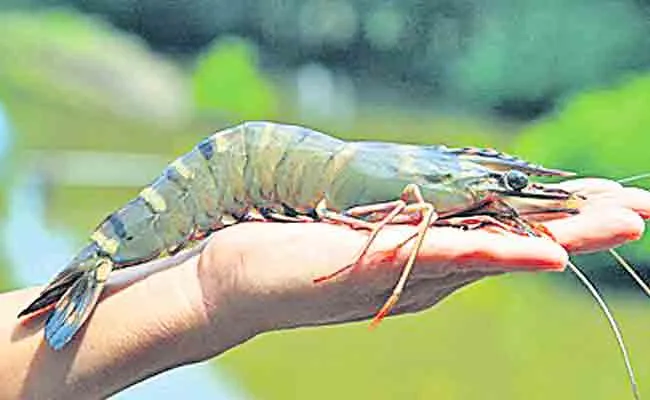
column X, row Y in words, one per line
column 273, row 172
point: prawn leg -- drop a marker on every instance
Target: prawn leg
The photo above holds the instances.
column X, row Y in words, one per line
column 332, row 216
column 375, row 228
column 399, row 207
column 275, row 217
column 392, row 208
column 278, row 217
column 473, row 223
column 428, row 215
column 363, row 211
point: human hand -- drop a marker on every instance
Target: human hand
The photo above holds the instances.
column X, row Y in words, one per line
column 262, row 274
column 257, row 277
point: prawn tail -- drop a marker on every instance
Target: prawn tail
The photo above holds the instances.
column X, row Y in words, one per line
column 73, row 293
column 53, row 291
column 76, row 305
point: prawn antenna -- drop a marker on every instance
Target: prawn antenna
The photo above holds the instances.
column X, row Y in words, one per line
column 612, row 322
column 634, row 178
column 630, row 271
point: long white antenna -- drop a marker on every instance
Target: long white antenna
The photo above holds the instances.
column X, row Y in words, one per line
column 630, row 271
column 612, row 324
column 634, row 178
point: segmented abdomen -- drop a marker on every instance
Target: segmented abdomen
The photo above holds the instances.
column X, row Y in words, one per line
column 252, row 165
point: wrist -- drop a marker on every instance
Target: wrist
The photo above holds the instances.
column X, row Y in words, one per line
column 169, row 319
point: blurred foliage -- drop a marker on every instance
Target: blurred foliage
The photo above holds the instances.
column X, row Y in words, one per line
column 228, row 81
column 73, row 82
column 100, row 89
column 601, row 133
column 598, row 133
column 65, row 58
column 525, row 54
column 513, row 57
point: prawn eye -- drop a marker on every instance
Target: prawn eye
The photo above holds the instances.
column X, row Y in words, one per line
column 515, row 180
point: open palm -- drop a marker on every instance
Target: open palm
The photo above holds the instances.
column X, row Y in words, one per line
column 266, row 271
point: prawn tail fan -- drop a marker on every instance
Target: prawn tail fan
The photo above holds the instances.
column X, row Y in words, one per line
column 74, row 293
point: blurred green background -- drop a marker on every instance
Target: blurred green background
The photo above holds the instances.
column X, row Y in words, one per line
column 91, row 88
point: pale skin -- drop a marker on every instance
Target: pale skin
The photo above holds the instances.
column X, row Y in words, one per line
column 258, row 277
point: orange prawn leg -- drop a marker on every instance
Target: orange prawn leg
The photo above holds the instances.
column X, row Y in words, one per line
column 377, row 212
column 409, row 190
column 286, row 218
column 373, row 235
column 361, row 211
column 375, row 229
column 398, row 207
column 403, row 219
column 332, row 216
column 429, row 215
column 471, row 223
column 544, row 230
column 276, row 217
column 537, row 229
column 255, row 215
column 524, row 227
column 374, row 213
column 477, row 222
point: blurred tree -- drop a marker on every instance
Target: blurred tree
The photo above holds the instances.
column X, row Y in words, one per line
column 176, row 26
column 513, row 57
column 526, row 54
column 89, row 65
column 601, row 133
column 25, row 4
column 227, row 80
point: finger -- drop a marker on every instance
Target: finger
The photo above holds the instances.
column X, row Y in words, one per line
column 591, row 190
column 605, row 190
column 597, row 228
column 588, row 186
column 447, row 249
column 633, row 198
column 637, row 200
